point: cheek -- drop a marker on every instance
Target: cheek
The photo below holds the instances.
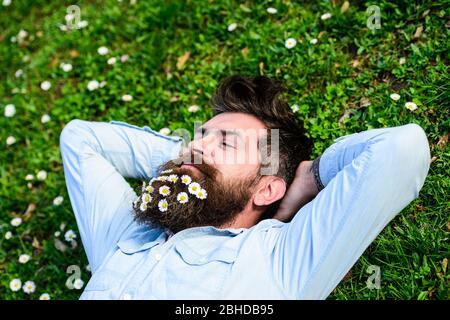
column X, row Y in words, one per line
column 237, row 171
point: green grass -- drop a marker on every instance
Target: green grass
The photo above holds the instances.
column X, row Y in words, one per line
column 341, row 85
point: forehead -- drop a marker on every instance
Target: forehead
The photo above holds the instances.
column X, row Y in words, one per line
column 235, row 121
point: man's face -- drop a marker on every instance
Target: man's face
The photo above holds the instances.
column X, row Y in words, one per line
column 211, row 182
column 229, row 143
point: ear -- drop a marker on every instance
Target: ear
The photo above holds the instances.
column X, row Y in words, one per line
column 271, row 189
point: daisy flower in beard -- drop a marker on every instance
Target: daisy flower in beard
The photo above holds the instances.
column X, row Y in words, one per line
column 163, row 205
column 182, row 197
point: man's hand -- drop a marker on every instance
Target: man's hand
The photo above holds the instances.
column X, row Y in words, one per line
column 302, row 190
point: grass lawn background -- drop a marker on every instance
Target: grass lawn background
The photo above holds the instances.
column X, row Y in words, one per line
column 178, row 52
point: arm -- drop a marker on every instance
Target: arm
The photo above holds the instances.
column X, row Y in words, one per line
column 96, row 158
column 368, row 178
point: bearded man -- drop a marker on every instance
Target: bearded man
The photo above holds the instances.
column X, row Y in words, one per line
column 276, row 225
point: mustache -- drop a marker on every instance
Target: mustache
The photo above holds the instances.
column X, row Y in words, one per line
column 198, row 161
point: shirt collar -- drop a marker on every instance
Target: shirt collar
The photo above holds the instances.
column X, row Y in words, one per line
column 203, row 230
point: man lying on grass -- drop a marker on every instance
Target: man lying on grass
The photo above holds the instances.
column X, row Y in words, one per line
column 204, row 228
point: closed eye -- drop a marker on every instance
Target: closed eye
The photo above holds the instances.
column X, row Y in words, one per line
column 228, row 145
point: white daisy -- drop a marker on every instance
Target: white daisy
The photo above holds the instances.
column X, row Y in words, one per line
column 182, row 197
column 232, row 26
column 93, row 85
column 6, row 3
column 411, row 106
column 10, row 110
column 173, row 178
column 295, row 108
column 272, row 10
column 10, row 140
column 102, row 51
column 66, row 67
column 186, row 179
column 313, row 41
column 8, row 235
column 42, row 175
column 15, row 284
column 290, row 43
column 326, row 16
column 29, row 177
column 102, row 84
column 164, row 190
column 194, row 187
column 24, row 258
column 163, row 205
column 165, row 131
column 70, row 235
column 46, row 85
column 395, row 96
column 45, row 118
column 149, row 189
column 78, row 284
column 15, row 222
column 146, row 198
column 201, row 194
column 124, row 58
column 167, row 171
column 111, row 60
column 57, row 233
column 193, row 108
column 161, row 178
column 127, row 97
column 18, row 73
column 143, row 207
column 58, row 200
column 29, row 287
column 44, row 296
column 22, row 34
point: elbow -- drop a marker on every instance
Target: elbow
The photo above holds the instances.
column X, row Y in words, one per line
column 71, row 135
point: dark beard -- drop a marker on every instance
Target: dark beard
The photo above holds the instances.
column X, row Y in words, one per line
column 223, row 202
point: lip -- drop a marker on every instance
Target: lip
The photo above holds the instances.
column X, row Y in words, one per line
column 190, row 166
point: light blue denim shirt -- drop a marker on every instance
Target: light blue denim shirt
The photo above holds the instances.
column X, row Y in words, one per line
column 368, row 177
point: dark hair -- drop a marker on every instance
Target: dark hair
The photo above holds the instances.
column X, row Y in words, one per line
column 260, row 96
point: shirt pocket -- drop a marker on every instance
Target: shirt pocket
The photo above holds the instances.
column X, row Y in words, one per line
column 102, row 280
column 192, row 257
column 190, row 274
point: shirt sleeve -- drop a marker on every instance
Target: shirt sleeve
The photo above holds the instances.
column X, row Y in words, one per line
column 367, row 178
column 97, row 156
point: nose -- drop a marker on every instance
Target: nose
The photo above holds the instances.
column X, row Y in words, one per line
column 203, row 146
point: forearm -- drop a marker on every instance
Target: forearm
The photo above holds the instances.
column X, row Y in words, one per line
column 135, row 152
column 342, row 152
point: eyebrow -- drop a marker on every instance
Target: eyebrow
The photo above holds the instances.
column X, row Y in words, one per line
column 224, row 132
